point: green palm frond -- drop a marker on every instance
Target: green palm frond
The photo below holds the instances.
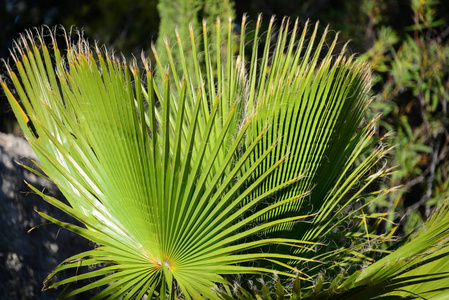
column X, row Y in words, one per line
column 187, row 178
column 416, row 270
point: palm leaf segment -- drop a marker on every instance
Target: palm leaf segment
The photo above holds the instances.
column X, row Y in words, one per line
column 181, row 175
column 416, row 270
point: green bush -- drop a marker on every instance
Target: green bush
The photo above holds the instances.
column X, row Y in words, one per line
column 412, row 94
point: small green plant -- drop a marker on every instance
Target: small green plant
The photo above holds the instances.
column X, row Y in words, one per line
column 193, row 181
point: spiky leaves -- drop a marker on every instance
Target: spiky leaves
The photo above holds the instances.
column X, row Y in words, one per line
column 182, row 181
column 418, row 269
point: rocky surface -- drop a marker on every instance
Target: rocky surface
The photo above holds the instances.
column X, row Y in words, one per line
column 27, row 258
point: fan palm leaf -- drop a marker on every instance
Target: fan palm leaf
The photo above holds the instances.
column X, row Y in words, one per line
column 185, row 177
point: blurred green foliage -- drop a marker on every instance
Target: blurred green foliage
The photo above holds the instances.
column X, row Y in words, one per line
column 411, row 94
column 178, row 15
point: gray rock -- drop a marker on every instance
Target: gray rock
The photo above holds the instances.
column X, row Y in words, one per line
column 27, row 258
